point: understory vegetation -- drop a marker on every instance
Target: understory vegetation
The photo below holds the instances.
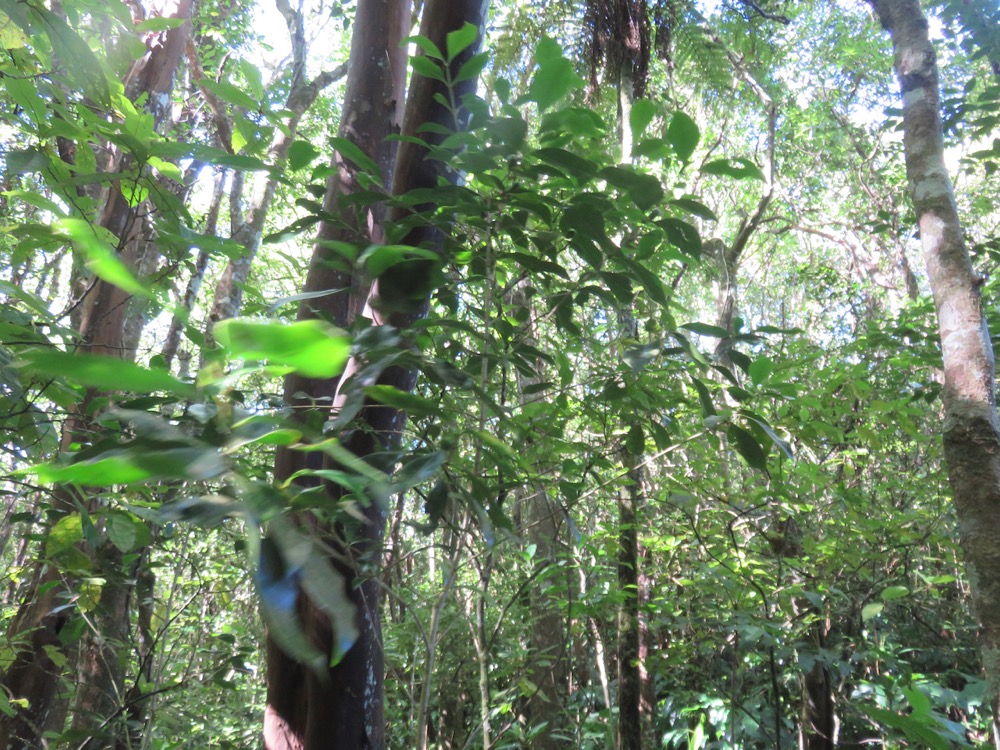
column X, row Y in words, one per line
column 619, row 425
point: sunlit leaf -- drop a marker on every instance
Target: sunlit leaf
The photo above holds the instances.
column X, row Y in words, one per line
column 312, row 347
column 66, row 532
column 461, row 39
column 555, row 77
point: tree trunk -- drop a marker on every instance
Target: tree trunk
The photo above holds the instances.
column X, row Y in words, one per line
column 971, row 429
column 345, row 711
column 303, row 712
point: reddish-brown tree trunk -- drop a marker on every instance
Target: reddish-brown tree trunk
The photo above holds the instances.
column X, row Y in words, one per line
column 345, row 711
column 971, row 428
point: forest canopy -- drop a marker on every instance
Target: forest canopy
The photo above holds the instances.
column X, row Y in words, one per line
column 603, row 374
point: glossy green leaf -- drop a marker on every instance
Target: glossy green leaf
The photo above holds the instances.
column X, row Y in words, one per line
column 312, row 347
column 380, row 258
column 410, row 403
column 894, row 592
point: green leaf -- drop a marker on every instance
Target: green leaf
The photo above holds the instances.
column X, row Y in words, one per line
column 748, row 447
column 159, row 23
column 567, row 162
column 695, row 207
column 379, row 258
column 411, row 403
column 894, row 592
column 136, row 464
column 760, row 369
column 104, row 373
column 352, row 152
column 460, row 40
column 430, row 49
column 644, row 189
column 707, row 407
column 436, row 503
column 472, row 67
column 871, row 610
column 555, row 77
column 230, row 94
column 85, row 69
column 426, row 67
column 635, row 440
column 122, row 531
column 67, row 531
column 741, row 169
column 782, row 444
column 643, row 112
column 683, row 135
column 312, row 347
column 706, row 329
column 918, row 700
column 301, row 154
column 418, row 470
column 99, row 255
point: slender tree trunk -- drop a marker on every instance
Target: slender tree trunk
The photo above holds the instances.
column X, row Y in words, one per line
column 345, row 711
column 542, row 527
column 303, row 712
column 971, row 429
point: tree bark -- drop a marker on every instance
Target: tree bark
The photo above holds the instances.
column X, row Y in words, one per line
column 345, row 711
column 971, row 429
